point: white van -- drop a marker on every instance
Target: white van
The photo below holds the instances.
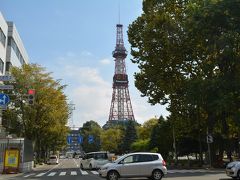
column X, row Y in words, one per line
column 53, row 159
column 94, row 160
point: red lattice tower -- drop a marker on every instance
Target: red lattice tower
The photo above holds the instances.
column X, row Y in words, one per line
column 121, row 107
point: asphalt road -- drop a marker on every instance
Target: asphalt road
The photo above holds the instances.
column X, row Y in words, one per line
column 68, row 169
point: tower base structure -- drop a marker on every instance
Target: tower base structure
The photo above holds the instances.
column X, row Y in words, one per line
column 111, row 124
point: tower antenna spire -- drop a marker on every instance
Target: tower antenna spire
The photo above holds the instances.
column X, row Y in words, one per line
column 119, row 13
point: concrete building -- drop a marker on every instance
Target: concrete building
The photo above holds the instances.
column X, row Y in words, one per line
column 3, row 44
column 12, row 51
column 74, row 144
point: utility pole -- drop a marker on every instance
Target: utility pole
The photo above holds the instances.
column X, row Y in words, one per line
column 174, row 146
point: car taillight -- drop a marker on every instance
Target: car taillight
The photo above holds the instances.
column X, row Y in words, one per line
column 163, row 163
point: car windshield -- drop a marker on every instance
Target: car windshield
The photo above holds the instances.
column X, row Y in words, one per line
column 119, row 158
column 100, row 156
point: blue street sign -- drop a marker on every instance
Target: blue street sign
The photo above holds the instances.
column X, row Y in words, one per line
column 69, row 140
column 80, row 139
column 4, row 99
column 90, row 139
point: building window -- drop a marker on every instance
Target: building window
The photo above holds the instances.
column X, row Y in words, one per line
column 8, row 66
column 1, row 65
column 12, row 43
column 2, row 37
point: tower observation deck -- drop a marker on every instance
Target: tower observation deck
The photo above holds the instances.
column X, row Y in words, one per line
column 121, row 107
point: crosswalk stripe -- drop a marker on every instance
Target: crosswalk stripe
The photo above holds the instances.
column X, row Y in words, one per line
column 94, row 172
column 29, row 175
column 41, row 174
column 83, row 172
column 73, row 173
column 62, row 174
column 52, row 174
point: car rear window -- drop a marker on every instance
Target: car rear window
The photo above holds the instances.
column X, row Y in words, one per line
column 145, row 158
column 52, row 157
column 155, row 157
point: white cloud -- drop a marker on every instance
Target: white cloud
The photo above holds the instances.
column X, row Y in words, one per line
column 86, row 53
column 105, row 61
column 143, row 111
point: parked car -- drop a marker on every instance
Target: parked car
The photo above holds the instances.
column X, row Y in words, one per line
column 94, row 160
column 149, row 165
column 77, row 156
column 53, row 159
column 233, row 169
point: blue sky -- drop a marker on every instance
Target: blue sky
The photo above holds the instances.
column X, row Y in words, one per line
column 74, row 39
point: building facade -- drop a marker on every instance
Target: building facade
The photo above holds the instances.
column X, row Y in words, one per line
column 12, row 51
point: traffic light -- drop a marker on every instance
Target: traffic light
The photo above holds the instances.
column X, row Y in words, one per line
column 31, row 96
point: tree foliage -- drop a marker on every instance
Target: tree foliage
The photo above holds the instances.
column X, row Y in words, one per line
column 44, row 121
column 188, row 55
column 130, row 136
column 111, row 138
column 91, row 128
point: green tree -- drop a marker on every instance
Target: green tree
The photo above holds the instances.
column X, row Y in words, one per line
column 187, row 52
column 111, row 138
column 130, row 136
column 144, row 131
column 91, row 128
column 161, row 138
column 44, row 121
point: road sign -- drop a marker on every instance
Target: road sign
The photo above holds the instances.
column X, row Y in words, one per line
column 4, row 99
column 209, row 138
column 69, row 139
column 90, row 139
column 80, row 139
column 7, row 87
column 7, row 78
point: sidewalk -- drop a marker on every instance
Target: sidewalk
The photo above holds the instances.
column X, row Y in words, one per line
column 12, row 176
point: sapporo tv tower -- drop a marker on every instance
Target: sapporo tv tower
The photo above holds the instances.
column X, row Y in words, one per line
column 121, row 107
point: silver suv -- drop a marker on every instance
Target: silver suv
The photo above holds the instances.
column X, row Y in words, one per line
column 149, row 165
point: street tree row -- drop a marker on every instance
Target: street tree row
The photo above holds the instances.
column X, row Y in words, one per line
column 44, row 121
column 188, row 54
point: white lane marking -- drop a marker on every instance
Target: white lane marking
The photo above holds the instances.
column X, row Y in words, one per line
column 94, row 172
column 53, row 167
column 41, row 174
column 73, row 173
column 75, row 162
column 62, row 174
column 29, row 175
column 83, row 172
column 52, row 173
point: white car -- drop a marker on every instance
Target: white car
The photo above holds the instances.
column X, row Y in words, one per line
column 233, row 169
column 94, row 160
column 150, row 165
column 53, row 159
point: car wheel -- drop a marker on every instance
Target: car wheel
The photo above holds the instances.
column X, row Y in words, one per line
column 81, row 166
column 157, row 175
column 112, row 175
column 90, row 166
column 238, row 174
